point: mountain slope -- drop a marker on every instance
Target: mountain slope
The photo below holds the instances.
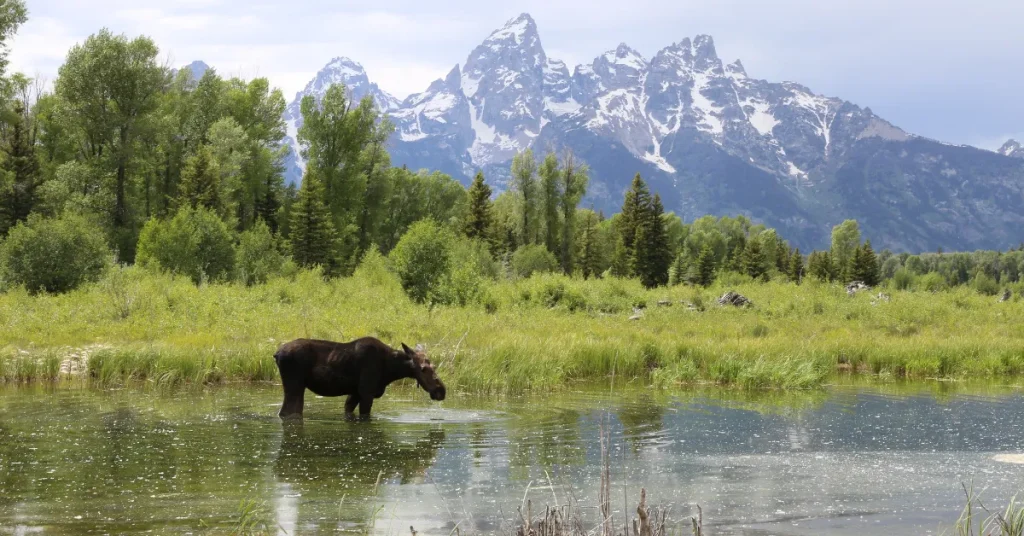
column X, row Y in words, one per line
column 1012, row 148
column 708, row 138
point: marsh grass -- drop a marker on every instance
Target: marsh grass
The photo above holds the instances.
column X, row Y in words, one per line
column 976, row 520
column 539, row 333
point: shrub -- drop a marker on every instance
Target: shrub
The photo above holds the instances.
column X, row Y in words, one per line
column 422, row 260
column 258, row 257
column 903, row 279
column 532, row 259
column 985, row 284
column 53, row 255
column 194, row 243
column 932, row 282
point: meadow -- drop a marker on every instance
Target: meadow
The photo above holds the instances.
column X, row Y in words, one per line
column 544, row 332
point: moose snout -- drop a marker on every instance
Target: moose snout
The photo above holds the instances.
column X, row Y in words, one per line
column 438, row 394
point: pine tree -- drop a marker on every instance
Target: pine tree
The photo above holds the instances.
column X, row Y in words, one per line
column 677, row 275
column 589, row 255
column 706, row 266
column 620, row 258
column 269, row 203
column 479, row 220
column 754, row 261
column 820, row 265
column 634, row 209
column 865, row 265
column 18, row 197
column 796, row 267
column 312, row 234
column 651, row 254
column 200, row 184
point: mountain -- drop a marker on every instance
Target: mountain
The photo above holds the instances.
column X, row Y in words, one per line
column 339, row 70
column 707, row 137
column 198, row 69
column 1012, row 148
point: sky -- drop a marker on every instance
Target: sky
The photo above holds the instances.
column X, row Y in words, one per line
column 952, row 70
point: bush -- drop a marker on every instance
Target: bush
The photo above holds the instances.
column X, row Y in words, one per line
column 258, row 258
column 53, row 255
column 194, row 243
column 985, row 284
column 903, row 279
column 532, row 259
column 932, row 282
column 422, row 260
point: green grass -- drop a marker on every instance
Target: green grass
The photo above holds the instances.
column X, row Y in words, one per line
column 544, row 332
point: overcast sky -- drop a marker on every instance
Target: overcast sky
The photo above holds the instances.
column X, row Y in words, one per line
column 952, row 70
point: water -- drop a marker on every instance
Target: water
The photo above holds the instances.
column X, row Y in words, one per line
column 848, row 460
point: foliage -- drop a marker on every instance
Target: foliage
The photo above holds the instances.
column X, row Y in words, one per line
column 533, row 259
column 422, row 260
column 258, row 257
column 195, row 243
column 53, row 255
column 524, row 186
column 312, row 235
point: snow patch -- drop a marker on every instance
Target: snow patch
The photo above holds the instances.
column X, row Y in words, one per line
column 820, row 107
column 515, row 28
column 795, row 171
column 561, row 108
column 469, row 84
column 762, row 120
column 656, row 158
column 709, row 118
column 291, row 126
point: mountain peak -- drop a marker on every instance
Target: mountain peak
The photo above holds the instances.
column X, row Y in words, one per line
column 518, row 29
column 198, row 69
column 736, row 69
column 1012, row 148
column 626, row 55
column 345, row 66
column 704, row 55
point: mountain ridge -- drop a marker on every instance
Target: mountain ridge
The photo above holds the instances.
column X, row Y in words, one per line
column 709, row 139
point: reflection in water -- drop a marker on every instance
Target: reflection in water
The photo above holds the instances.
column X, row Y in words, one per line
column 846, row 461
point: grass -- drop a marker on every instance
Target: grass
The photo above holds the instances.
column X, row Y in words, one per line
column 541, row 333
column 1008, row 522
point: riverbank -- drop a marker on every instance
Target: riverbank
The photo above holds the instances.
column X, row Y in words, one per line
column 541, row 333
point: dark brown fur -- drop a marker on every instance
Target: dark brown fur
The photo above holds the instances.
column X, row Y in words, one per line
column 360, row 369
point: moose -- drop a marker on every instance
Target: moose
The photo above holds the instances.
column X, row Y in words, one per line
column 361, row 369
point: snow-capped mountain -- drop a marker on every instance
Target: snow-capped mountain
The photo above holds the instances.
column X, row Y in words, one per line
column 706, row 136
column 1012, row 148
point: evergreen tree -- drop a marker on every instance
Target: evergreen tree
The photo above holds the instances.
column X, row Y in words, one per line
column 678, row 273
column 200, row 184
column 865, row 265
column 620, row 258
column 705, row 266
column 269, row 204
column 634, row 210
column 651, row 253
column 21, row 167
column 754, row 261
column 589, row 257
column 312, row 233
column 845, row 242
column 820, row 265
column 796, row 267
column 479, row 220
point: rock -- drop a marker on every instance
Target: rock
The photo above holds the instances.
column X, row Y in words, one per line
column 1007, row 294
column 638, row 313
column 883, row 297
column 855, row 287
column 664, row 303
column 735, row 299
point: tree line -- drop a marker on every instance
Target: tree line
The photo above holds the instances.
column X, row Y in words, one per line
column 131, row 159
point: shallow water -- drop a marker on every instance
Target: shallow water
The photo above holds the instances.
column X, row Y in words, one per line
column 847, row 460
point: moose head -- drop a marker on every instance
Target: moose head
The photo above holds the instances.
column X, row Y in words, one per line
column 424, row 372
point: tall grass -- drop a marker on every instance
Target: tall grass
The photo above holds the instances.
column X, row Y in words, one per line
column 539, row 333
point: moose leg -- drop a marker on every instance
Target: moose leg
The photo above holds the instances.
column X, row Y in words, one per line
column 350, row 404
column 294, row 398
column 365, row 405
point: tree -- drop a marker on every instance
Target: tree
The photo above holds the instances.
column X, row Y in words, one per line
column 422, row 260
column 532, row 259
column 20, row 175
column 109, row 88
column 195, row 243
column 524, row 185
column 635, row 206
column 200, row 183
column 589, row 256
column 865, row 265
column 845, row 241
column 651, row 254
column 312, row 235
column 479, row 220
column 12, row 15
column 550, row 196
column 705, row 266
column 573, row 186
column 754, row 261
column 796, row 267
column 257, row 258
column 820, row 265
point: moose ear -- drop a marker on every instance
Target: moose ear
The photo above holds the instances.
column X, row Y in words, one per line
column 421, row 348
column 406, row 349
